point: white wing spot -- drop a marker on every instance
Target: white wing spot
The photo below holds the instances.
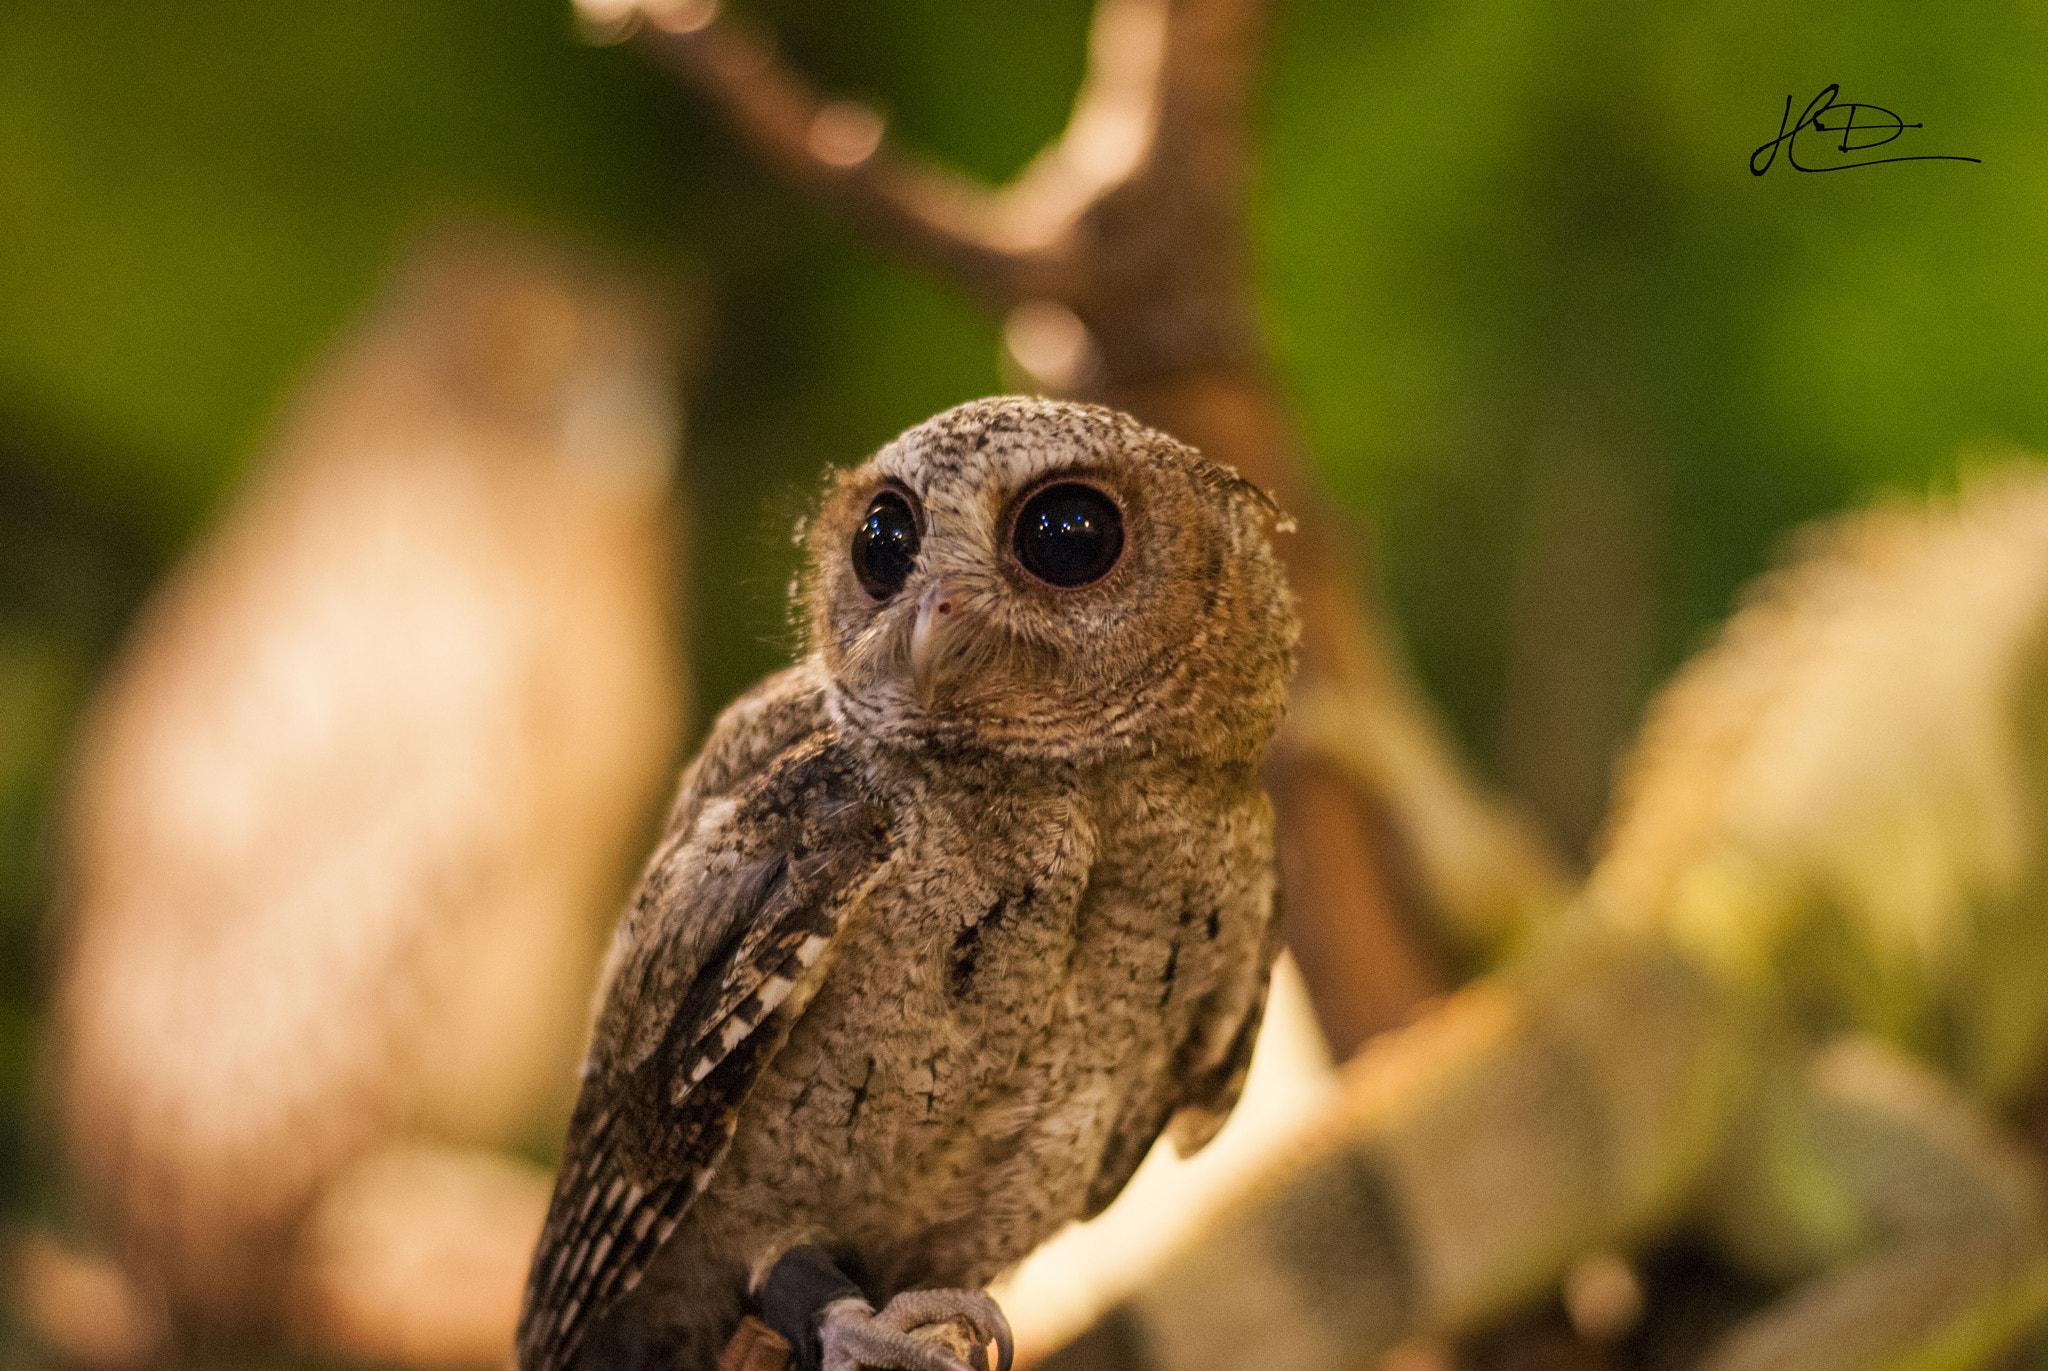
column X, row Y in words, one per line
column 775, row 991
column 735, row 1029
column 807, row 951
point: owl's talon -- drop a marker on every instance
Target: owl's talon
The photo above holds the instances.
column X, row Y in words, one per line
column 915, row 1308
column 852, row 1335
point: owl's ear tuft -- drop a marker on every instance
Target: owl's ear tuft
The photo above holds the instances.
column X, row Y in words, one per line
column 1224, row 479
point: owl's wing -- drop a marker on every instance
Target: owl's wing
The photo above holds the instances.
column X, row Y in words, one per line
column 1199, row 1096
column 1210, row 1091
column 1214, row 1062
column 721, row 951
column 761, row 725
column 1201, row 1086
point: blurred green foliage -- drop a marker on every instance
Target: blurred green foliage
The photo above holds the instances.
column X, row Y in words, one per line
column 1574, row 366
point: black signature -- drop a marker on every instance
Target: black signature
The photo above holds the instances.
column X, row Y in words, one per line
column 1890, row 125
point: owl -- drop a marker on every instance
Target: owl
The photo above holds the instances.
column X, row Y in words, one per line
column 351, row 811
column 952, row 919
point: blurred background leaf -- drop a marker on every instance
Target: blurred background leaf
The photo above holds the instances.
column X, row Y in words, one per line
column 1569, row 361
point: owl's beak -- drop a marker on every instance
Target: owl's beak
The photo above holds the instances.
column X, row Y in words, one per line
column 939, row 612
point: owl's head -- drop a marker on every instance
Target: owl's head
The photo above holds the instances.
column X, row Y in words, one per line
column 1049, row 579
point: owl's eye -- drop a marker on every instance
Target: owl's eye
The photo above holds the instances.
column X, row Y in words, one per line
column 885, row 545
column 1069, row 534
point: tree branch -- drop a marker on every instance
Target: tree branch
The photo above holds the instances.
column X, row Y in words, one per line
column 836, row 151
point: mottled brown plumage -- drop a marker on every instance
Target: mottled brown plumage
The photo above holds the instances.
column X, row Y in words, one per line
column 952, row 917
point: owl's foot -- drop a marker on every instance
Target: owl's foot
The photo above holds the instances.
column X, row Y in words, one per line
column 853, row 1336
